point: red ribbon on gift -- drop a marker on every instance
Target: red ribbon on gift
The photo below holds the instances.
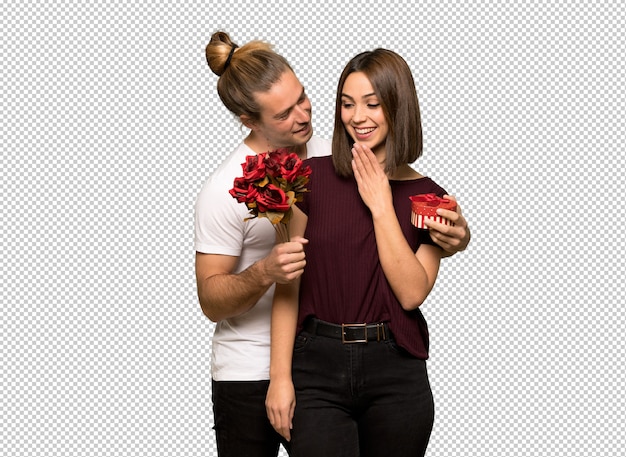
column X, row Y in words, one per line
column 429, row 200
column 426, row 205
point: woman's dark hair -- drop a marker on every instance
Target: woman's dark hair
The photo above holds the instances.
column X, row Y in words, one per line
column 254, row 67
column 394, row 86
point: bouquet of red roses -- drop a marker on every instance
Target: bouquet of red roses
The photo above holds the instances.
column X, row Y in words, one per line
column 271, row 183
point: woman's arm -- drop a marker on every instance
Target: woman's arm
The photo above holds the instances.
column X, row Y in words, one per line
column 410, row 275
column 281, row 399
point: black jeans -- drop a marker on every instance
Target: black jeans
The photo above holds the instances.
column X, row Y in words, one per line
column 359, row 400
column 242, row 428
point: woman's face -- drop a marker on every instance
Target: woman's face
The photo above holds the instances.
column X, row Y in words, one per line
column 362, row 115
column 285, row 114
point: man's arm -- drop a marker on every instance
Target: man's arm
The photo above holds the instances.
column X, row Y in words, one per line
column 224, row 294
column 451, row 239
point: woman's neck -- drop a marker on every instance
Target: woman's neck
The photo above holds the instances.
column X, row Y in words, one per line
column 404, row 173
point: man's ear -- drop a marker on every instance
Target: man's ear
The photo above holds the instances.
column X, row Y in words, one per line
column 248, row 121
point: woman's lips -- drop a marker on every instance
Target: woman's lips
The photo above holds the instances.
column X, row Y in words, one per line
column 363, row 133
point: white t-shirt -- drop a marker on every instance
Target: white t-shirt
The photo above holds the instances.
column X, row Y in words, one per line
column 241, row 345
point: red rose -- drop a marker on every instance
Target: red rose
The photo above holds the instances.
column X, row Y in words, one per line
column 290, row 167
column 254, row 168
column 273, row 161
column 272, row 198
column 240, row 190
column 271, row 183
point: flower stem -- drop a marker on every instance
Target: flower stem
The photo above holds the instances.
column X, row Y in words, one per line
column 282, row 232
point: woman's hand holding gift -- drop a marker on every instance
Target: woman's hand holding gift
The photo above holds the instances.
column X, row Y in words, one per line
column 452, row 239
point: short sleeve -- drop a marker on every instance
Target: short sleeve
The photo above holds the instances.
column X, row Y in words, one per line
column 219, row 221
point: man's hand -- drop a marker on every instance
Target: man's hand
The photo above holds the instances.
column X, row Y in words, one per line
column 224, row 294
column 285, row 262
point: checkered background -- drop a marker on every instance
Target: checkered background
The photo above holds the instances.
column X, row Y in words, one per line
column 111, row 123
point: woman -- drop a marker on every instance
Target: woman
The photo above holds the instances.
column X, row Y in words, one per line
column 361, row 342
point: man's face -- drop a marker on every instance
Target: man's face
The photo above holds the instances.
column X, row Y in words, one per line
column 285, row 114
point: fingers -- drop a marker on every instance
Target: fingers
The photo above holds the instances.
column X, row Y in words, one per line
column 300, row 239
column 451, row 239
column 451, row 235
column 284, row 424
column 446, row 242
column 291, row 250
column 280, row 416
column 453, row 198
column 281, row 421
column 290, row 272
column 357, row 166
column 364, row 161
column 287, row 260
column 452, row 216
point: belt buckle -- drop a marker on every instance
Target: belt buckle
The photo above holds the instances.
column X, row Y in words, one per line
column 343, row 333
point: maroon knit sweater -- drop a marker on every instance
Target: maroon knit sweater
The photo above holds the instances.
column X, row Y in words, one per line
column 343, row 281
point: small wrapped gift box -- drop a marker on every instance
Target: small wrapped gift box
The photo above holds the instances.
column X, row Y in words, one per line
column 424, row 206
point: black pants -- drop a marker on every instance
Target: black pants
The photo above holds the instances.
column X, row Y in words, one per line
column 359, row 400
column 242, row 428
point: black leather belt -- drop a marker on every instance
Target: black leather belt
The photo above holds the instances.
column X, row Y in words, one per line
column 349, row 333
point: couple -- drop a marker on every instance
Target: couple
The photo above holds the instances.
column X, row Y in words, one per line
column 365, row 264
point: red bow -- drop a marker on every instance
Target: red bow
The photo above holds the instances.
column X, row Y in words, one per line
column 429, row 199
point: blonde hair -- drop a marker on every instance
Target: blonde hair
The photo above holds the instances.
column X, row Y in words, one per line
column 243, row 71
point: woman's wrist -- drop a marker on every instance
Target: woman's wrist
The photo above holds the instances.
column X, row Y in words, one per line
column 280, row 378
